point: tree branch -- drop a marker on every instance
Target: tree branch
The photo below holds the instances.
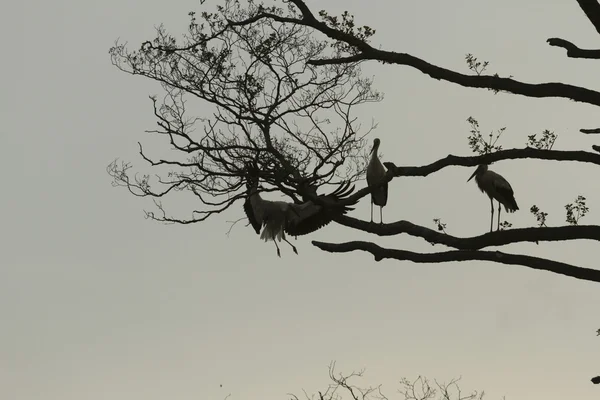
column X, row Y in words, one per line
column 572, row 50
column 510, row 154
column 537, row 90
column 367, row 52
column 463, row 255
column 590, row 131
column 591, row 8
column 497, row 238
column 472, row 161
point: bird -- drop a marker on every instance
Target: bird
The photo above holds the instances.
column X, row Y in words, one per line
column 497, row 188
column 276, row 218
column 375, row 173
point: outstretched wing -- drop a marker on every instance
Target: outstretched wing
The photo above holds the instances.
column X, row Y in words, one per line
column 251, row 216
column 308, row 217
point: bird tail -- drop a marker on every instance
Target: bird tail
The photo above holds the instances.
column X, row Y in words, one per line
column 272, row 233
column 511, row 205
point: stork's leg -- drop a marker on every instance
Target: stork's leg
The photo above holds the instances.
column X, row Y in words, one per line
column 499, row 209
column 381, row 215
column 492, row 220
column 278, row 252
column 293, row 247
column 371, row 211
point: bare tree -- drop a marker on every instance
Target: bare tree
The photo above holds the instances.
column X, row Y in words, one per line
column 351, row 43
column 281, row 98
column 261, row 102
column 270, row 93
column 345, row 386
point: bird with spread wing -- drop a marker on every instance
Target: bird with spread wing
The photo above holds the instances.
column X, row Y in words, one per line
column 276, row 218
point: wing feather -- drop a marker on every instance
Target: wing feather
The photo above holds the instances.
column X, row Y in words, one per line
column 501, row 185
column 308, row 217
column 505, row 192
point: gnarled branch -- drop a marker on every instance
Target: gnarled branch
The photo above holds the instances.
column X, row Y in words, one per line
column 510, row 154
column 472, row 161
column 572, row 50
column 463, row 255
column 497, row 238
column 364, row 51
column 591, row 8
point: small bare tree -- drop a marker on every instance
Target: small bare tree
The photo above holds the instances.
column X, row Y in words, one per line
column 344, row 386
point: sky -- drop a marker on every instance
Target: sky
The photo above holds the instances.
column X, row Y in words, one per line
column 97, row 302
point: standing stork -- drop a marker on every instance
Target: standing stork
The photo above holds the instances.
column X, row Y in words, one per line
column 276, row 218
column 375, row 173
column 497, row 188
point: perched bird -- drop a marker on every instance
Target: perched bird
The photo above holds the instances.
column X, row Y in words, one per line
column 375, row 173
column 276, row 218
column 497, row 188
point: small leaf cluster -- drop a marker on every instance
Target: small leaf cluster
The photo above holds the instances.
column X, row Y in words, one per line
column 577, row 210
column 479, row 67
column 478, row 144
column 505, row 225
column 545, row 142
column 346, row 24
column 475, row 65
column 539, row 215
column 440, row 225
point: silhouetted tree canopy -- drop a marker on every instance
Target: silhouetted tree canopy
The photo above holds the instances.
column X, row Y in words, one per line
column 270, row 92
column 276, row 85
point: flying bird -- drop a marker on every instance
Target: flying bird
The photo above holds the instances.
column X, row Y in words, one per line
column 276, row 218
column 375, row 173
column 497, row 188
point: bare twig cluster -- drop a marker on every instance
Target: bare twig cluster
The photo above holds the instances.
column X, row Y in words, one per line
column 345, row 386
column 263, row 103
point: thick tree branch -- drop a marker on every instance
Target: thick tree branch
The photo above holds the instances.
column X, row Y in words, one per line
column 472, row 161
column 367, row 52
column 510, row 154
column 591, row 8
column 497, row 238
column 537, row 90
column 463, row 255
column 590, row 131
column 572, row 50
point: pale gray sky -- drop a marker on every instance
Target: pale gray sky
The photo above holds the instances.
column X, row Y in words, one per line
column 98, row 303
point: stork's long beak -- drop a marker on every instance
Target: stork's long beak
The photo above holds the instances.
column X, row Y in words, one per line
column 472, row 176
column 372, row 148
